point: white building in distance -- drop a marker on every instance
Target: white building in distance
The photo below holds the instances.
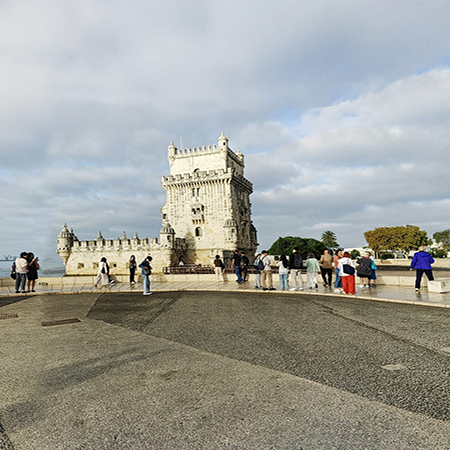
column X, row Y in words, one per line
column 207, row 213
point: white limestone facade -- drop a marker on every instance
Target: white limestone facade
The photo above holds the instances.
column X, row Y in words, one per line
column 208, row 202
column 207, row 212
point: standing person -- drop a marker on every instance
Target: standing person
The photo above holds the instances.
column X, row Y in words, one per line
column 32, row 275
column 295, row 267
column 283, row 272
column 312, row 270
column 422, row 263
column 348, row 279
column 266, row 273
column 146, row 272
column 326, row 267
column 236, row 264
column 257, row 271
column 245, row 262
column 102, row 277
column 218, row 268
column 338, row 281
column 132, row 266
column 364, row 270
column 373, row 275
column 21, row 264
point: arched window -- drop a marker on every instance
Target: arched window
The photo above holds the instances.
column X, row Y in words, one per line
column 198, row 232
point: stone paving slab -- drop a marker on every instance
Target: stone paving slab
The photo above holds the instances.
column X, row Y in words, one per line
column 93, row 385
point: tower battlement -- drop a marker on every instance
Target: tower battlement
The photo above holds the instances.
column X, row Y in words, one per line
column 206, row 158
column 208, row 175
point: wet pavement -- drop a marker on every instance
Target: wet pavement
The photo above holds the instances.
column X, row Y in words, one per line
column 224, row 366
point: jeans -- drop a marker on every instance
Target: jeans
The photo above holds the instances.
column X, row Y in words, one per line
column 21, row 279
column 237, row 271
column 258, row 280
column 146, row 283
column 338, row 282
column 284, row 284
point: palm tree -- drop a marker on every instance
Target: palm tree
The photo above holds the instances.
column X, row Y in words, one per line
column 329, row 239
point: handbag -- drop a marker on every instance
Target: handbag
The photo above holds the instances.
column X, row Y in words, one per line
column 13, row 275
column 348, row 269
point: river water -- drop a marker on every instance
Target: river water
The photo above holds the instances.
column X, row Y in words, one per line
column 49, row 268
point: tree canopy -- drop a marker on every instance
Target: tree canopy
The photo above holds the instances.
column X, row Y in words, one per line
column 443, row 238
column 396, row 239
column 305, row 245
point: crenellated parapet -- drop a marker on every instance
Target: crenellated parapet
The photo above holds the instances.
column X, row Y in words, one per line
column 82, row 256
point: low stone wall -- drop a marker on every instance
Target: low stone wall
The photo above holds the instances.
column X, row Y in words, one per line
column 438, row 262
column 69, row 282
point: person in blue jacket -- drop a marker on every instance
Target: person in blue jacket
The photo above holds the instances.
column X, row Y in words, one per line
column 422, row 263
column 146, row 272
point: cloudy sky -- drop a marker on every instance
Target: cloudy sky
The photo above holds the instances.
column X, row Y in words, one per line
column 341, row 108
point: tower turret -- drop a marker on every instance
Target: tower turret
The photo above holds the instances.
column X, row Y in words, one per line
column 64, row 243
column 167, row 236
column 222, row 141
column 171, row 152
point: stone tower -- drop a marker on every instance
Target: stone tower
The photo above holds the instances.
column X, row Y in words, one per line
column 208, row 202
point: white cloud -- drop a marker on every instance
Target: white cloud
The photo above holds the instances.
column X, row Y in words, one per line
column 341, row 110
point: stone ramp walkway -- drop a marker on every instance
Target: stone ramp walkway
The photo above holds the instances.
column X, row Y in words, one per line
column 387, row 293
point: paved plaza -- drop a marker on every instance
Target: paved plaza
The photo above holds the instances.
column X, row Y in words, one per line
column 223, row 366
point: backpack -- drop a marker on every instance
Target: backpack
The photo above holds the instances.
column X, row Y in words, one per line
column 297, row 261
column 261, row 264
column 365, row 268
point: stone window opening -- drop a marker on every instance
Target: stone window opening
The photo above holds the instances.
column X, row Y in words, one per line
column 198, row 232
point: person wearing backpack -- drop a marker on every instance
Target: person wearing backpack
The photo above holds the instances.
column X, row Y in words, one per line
column 266, row 273
column 295, row 268
column 347, row 272
column 146, row 272
column 364, row 270
column 236, row 265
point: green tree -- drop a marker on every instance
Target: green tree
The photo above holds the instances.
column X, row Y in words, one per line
column 396, row 239
column 305, row 245
column 329, row 238
column 355, row 254
column 443, row 238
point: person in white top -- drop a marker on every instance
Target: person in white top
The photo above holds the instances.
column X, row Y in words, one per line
column 266, row 273
column 345, row 266
column 283, row 272
column 21, row 266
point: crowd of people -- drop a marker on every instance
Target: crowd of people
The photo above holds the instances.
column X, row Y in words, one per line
column 25, row 271
column 290, row 269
